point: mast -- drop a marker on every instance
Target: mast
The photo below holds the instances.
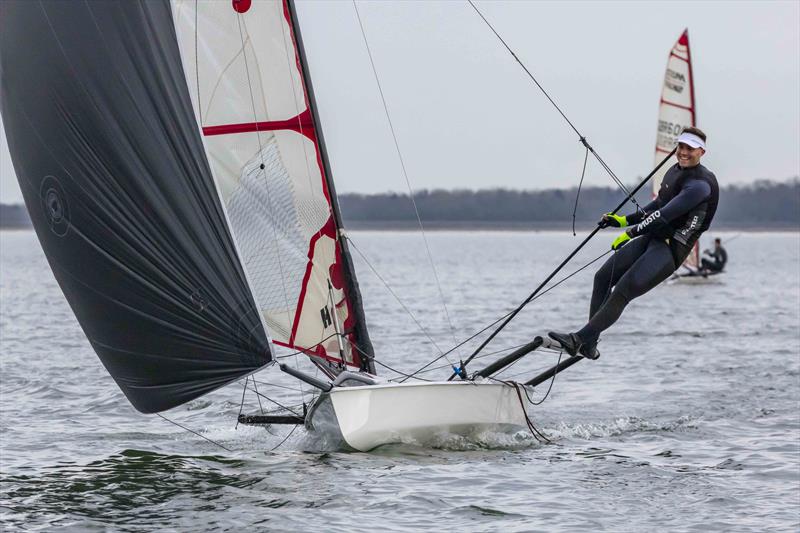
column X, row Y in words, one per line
column 364, row 343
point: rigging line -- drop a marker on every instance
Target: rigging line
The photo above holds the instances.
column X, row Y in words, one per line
column 577, row 196
column 391, row 291
column 263, row 166
column 549, row 388
column 285, row 438
column 405, row 173
column 194, row 432
column 507, row 315
column 273, row 401
column 276, row 385
column 260, row 407
column 581, row 137
column 482, row 356
column 241, row 403
column 538, row 435
column 563, row 263
column 384, row 365
column 552, row 381
column 292, row 354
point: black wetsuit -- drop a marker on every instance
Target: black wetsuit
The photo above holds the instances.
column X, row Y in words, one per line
column 665, row 234
column 720, row 257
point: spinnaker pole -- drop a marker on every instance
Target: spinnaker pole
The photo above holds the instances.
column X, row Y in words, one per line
column 559, row 267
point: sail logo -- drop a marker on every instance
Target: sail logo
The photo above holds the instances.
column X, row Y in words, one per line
column 670, row 128
column 675, row 75
column 325, row 315
column 675, row 81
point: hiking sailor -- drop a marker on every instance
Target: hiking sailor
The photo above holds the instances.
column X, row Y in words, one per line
column 718, row 258
column 655, row 244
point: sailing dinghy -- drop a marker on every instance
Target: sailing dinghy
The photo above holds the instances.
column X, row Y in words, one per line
column 172, row 161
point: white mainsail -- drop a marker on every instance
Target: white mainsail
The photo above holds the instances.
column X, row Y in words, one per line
column 246, row 81
column 676, row 111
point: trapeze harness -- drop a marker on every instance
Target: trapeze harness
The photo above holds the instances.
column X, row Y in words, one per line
column 666, row 231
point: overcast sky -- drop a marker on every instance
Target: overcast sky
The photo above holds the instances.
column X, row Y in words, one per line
column 467, row 116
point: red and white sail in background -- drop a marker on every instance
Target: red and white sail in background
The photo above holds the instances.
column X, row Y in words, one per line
column 244, row 72
column 676, row 111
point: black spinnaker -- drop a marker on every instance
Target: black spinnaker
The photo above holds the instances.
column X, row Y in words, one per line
column 109, row 158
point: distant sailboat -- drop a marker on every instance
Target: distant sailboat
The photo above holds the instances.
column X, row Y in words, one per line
column 676, row 111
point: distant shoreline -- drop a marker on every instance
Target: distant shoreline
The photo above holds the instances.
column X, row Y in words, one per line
column 392, row 226
column 761, row 206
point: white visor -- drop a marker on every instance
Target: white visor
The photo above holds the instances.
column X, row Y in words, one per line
column 692, row 140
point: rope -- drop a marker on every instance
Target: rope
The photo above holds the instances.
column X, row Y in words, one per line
column 273, row 401
column 405, row 175
column 384, row 365
column 581, row 137
column 285, row 438
column 537, row 296
column 241, row 403
column 552, row 381
column 577, row 196
column 194, row 432
column 538, row 435
column 391, row 291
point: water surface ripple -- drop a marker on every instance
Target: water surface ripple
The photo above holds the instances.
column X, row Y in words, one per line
column 690, row 420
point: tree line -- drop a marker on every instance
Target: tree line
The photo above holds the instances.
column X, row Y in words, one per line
column 764, row 204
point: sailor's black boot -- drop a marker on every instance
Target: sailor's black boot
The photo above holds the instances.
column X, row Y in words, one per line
column 589, row 350
column 573, row 344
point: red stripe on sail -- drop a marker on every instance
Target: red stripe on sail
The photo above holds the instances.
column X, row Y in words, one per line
column 687, row 108
column 301, row 124
column 685, row 40
column 335, row 275
column 329, row 229
column 320, row 353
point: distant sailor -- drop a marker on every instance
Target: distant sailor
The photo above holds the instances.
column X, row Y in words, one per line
column 655, row 244
column 718, row 258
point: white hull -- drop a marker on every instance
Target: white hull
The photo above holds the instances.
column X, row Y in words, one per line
column 712, row 278
column 372, row 415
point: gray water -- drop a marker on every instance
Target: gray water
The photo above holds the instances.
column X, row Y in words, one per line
column 690, row 420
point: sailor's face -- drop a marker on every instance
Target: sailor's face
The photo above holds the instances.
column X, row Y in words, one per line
column 688, row 156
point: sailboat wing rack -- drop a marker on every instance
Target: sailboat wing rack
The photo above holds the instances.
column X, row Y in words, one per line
column 264, row 420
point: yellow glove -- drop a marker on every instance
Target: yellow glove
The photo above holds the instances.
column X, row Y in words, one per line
column 620, row 241
column 610, row 219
